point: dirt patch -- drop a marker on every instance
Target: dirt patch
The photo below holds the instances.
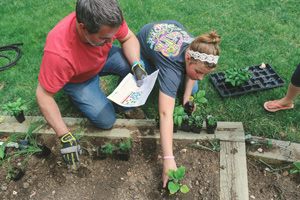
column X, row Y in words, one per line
column 267, row 185
column 138, row 178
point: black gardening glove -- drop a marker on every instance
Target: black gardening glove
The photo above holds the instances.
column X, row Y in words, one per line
column 70, row 149
column 139, row 73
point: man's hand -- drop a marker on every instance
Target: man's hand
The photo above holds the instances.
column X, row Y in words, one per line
column 70, row 149
column 139, row 73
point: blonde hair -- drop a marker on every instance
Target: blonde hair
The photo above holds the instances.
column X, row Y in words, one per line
column 206, row 43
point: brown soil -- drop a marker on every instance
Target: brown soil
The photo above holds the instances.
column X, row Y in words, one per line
column 138, row 178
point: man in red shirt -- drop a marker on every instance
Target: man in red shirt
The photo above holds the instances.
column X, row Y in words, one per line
column 78, row 50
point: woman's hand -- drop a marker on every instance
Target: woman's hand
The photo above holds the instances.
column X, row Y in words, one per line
column 168, row 164
column 186, row 99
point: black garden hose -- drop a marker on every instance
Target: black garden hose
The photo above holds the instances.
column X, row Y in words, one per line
column 11, row 47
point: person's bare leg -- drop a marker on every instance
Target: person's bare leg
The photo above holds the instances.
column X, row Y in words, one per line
column 288, row 100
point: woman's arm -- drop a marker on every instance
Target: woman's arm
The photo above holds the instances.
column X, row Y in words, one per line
column 189, row 84
column 166, row 107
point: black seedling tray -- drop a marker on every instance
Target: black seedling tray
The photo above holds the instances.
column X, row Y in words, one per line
column 262, row 79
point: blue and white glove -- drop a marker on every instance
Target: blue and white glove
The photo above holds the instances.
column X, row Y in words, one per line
column 139, row 73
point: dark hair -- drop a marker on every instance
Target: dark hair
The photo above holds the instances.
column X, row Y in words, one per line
column 207, row 43
column 96, row 13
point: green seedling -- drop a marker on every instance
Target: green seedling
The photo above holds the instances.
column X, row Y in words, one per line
column 237, row 76
column 212, row 120
column 14, row 108
column 191, row 121
column 297, row 169
column 174, row 185
column 178, row 115
column 109, row 148
column 214, row 143
column 31, row 135
column 199, row 97
column 273, row 170
column 126, row 145
column 198, row 121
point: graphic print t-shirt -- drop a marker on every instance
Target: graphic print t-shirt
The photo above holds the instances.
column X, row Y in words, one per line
column 163, row 44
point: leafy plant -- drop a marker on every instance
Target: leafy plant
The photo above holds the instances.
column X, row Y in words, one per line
column 297, row 169
column 109, row 148
column 178, row 115
column 174, row 185
column 191, row 121
column 212, row 120
column 126, row 145
column 237, row 76
column 14, row 108
column 214, row 143
column 199, row 97
column 198, row 121
column 272, row 170
column 29, row 150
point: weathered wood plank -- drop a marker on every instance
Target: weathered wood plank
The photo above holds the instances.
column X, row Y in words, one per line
column 229, row 131
column 233, row 171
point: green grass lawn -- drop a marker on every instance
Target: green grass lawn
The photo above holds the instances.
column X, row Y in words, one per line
column 253, row 32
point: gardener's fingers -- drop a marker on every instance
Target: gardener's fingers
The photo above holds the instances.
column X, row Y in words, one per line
column 165, row 180
column 168, row 164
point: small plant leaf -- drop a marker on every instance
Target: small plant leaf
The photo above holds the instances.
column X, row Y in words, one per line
column 180, row 173
column 173, row 187
column 9, row 175
column 297, row 164
column 202, row 100
column 171, row 173
column 184, row 189
column 4, row 113
column 293, row 171
column 1, row 152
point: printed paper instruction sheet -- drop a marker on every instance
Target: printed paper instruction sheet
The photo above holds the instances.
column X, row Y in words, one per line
column 128, row 94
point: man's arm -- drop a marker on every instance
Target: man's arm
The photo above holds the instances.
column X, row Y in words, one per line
column 50, row 110
column 131, row 47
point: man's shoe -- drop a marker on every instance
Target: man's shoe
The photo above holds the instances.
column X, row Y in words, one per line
column 137, row 113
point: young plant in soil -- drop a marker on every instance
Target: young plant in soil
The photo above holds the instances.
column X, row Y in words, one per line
column 31, row 147
column 16, row 109
column 272, row 170
column 109, row 148
column 211, row 124
column 178, row 117
column 199, row 97
column 174, row 184
column 189, row 106
column 123, row 152
column 197, row 124
column 297, row 169
column 214, row 143
column 237, row 76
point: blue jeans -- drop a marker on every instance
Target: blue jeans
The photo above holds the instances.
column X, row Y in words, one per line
column 90, row 99
column 150, row 69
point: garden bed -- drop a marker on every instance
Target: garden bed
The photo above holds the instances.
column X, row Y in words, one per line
column 138, row 178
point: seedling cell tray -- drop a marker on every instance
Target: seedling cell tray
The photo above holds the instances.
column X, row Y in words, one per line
column 261, row 79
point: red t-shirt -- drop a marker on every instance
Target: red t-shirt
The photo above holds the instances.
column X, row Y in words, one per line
column 67, row 59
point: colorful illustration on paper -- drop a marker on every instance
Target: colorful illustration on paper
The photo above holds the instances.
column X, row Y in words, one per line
column 168, row 39
column 132, row 98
